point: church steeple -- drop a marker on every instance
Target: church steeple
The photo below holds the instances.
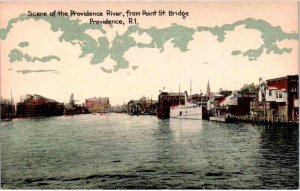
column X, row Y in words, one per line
column 208, row 89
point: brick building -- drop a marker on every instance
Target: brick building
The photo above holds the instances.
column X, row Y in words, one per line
column 279, row 97
column 166, row 100
column 36, row 105
column 98, row 105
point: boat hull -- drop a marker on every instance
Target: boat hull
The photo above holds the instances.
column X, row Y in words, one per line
column 186, row 113
column 223, row 119
column 196, row 117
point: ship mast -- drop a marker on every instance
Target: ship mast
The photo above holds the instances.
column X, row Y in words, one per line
column 179, row 94
column 191, row 87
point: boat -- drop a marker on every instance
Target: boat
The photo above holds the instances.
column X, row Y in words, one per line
column 225, row 119
column 186, row 111
column 165, row 101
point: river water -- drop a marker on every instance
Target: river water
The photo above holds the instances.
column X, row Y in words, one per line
column 118, row 151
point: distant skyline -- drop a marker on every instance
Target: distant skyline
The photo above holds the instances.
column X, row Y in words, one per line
column 228, row 43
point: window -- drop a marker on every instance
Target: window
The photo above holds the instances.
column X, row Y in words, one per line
column 278, row 95
column 270, row 92
column 294, row 89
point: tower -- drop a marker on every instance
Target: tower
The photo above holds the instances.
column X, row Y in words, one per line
column 208, row 89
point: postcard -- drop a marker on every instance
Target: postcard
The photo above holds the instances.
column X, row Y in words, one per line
column 149, row 94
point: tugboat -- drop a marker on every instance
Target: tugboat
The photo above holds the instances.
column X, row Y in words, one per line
column 186, row 111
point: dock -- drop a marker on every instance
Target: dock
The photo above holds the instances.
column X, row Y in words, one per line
column 274, row 121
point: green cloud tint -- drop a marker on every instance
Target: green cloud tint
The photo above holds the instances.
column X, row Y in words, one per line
column 16, row 55
column 134, row 67
column 36, row 71
column 109, row 71
column 179, row 35
column 269, row 34
column 74, row 32
column 253, row 54
column 23, row 44
column 236, row 52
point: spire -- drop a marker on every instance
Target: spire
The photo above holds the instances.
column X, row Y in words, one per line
column 208, row 89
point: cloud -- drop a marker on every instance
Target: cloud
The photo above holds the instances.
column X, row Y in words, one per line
column 23, row 44
column 16, row 55
column 269, row 34
column 134, row 67
column 36, row 71
column 74, row 32
column 179, row 35
column 109, row 71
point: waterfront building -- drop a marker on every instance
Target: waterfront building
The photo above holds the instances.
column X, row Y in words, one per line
column 7, row 108
column 238, row 103
column 98, row 105
column 23, row 97
column 72, row 108
column 213, row 104
column 143, row 106
column 195, row 99
column 166, row 100
column 134, row 107
column 36, row 105
column 119, row 108
column 278, row 97
column 214, row 101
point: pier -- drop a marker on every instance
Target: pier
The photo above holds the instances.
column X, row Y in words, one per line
column 273, row 121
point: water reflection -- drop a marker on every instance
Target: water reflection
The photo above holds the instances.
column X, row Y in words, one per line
column 185, row 131
column 164, row 144
column 279, row 150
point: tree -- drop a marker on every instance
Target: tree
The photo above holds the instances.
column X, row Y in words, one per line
column 250, row 88
column 225, row 92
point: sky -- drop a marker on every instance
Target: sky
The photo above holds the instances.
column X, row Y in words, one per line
column 56, row 57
